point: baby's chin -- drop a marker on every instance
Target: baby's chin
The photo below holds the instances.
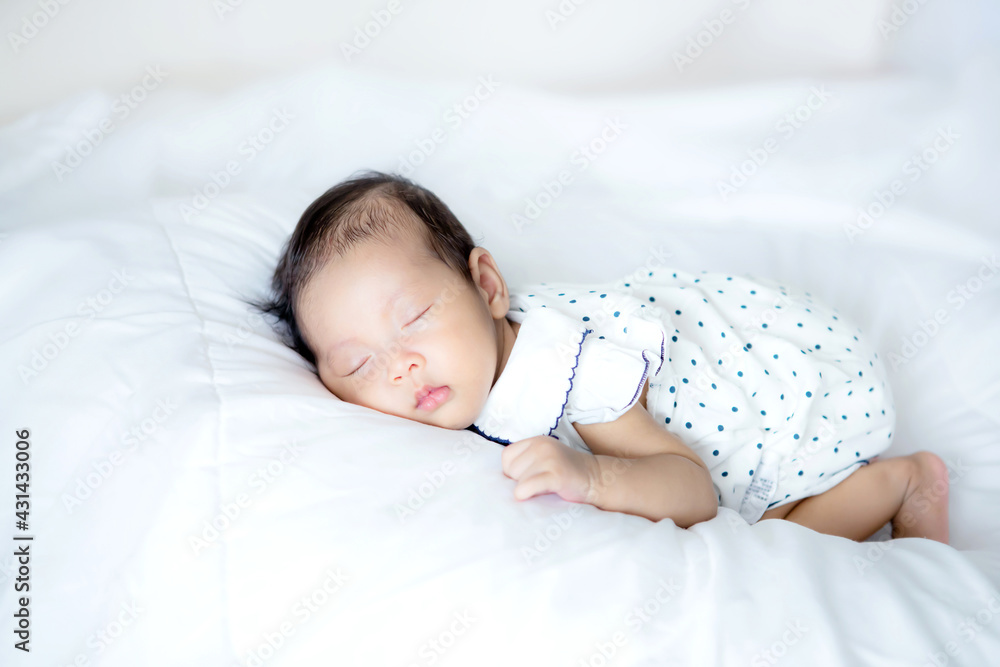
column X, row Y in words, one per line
column 455, row 414
column 446, row 419
column 441, row 417
column 440, row 421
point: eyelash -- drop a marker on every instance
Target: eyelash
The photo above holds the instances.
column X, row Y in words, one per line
column 356, row 370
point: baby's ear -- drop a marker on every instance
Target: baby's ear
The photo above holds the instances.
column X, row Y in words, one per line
column 486, row 275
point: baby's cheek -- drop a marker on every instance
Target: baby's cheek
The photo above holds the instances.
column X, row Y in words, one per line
column 343, row 388
column 333, row 390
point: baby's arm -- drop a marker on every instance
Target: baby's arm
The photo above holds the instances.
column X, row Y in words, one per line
column 647, row 471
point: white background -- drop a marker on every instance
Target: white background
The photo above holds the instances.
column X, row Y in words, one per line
column 600, row 47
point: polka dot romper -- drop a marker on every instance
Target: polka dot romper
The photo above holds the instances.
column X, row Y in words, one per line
column 780, row 396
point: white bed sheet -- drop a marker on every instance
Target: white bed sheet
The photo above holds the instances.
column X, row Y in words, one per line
column 315, row 564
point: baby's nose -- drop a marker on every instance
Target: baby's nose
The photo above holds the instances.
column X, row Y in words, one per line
column 409, row 368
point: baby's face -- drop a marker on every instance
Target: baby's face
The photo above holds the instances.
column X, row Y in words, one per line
column 387, row 324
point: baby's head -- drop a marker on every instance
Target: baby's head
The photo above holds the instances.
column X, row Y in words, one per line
column 384, row 291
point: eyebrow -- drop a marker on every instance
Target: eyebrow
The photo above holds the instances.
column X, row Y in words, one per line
column 390, row 303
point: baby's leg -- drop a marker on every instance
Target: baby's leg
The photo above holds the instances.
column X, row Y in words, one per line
column 911, row 490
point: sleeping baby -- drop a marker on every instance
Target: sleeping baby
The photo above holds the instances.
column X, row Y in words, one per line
column 665, row 395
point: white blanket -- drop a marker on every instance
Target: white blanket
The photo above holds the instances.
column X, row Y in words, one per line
column 198, row 498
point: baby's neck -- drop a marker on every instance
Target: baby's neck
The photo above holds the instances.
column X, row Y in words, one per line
column 508, row 334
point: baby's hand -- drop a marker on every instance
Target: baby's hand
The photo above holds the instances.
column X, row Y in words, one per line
column 542, row 464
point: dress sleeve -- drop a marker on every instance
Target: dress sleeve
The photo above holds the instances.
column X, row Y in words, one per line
column 614, row 364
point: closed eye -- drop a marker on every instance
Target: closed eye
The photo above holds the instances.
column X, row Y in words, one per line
column 358, row 368
column 366, row 360
column 420, row 315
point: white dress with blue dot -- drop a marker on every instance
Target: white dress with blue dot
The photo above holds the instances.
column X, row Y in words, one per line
column 781, row 396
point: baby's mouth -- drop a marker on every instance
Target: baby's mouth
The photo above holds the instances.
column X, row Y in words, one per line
column 429, row 398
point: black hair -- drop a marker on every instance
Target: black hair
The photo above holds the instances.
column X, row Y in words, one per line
column 361, row 209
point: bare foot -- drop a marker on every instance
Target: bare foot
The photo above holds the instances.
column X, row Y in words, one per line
column 924, row 512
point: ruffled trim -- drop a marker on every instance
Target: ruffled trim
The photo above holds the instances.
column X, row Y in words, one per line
column 644, row 344
column 645, row 373
column 576, row 362
column 536, row 354
column 499, row 441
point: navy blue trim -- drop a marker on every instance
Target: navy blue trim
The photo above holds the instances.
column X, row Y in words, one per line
column 645, row 372
column 638, row 390
column 499, row 441
column 576, row 362
column 663, row 343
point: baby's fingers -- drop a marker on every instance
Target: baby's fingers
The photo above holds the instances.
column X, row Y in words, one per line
column 534, row 485
column 516, row 458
